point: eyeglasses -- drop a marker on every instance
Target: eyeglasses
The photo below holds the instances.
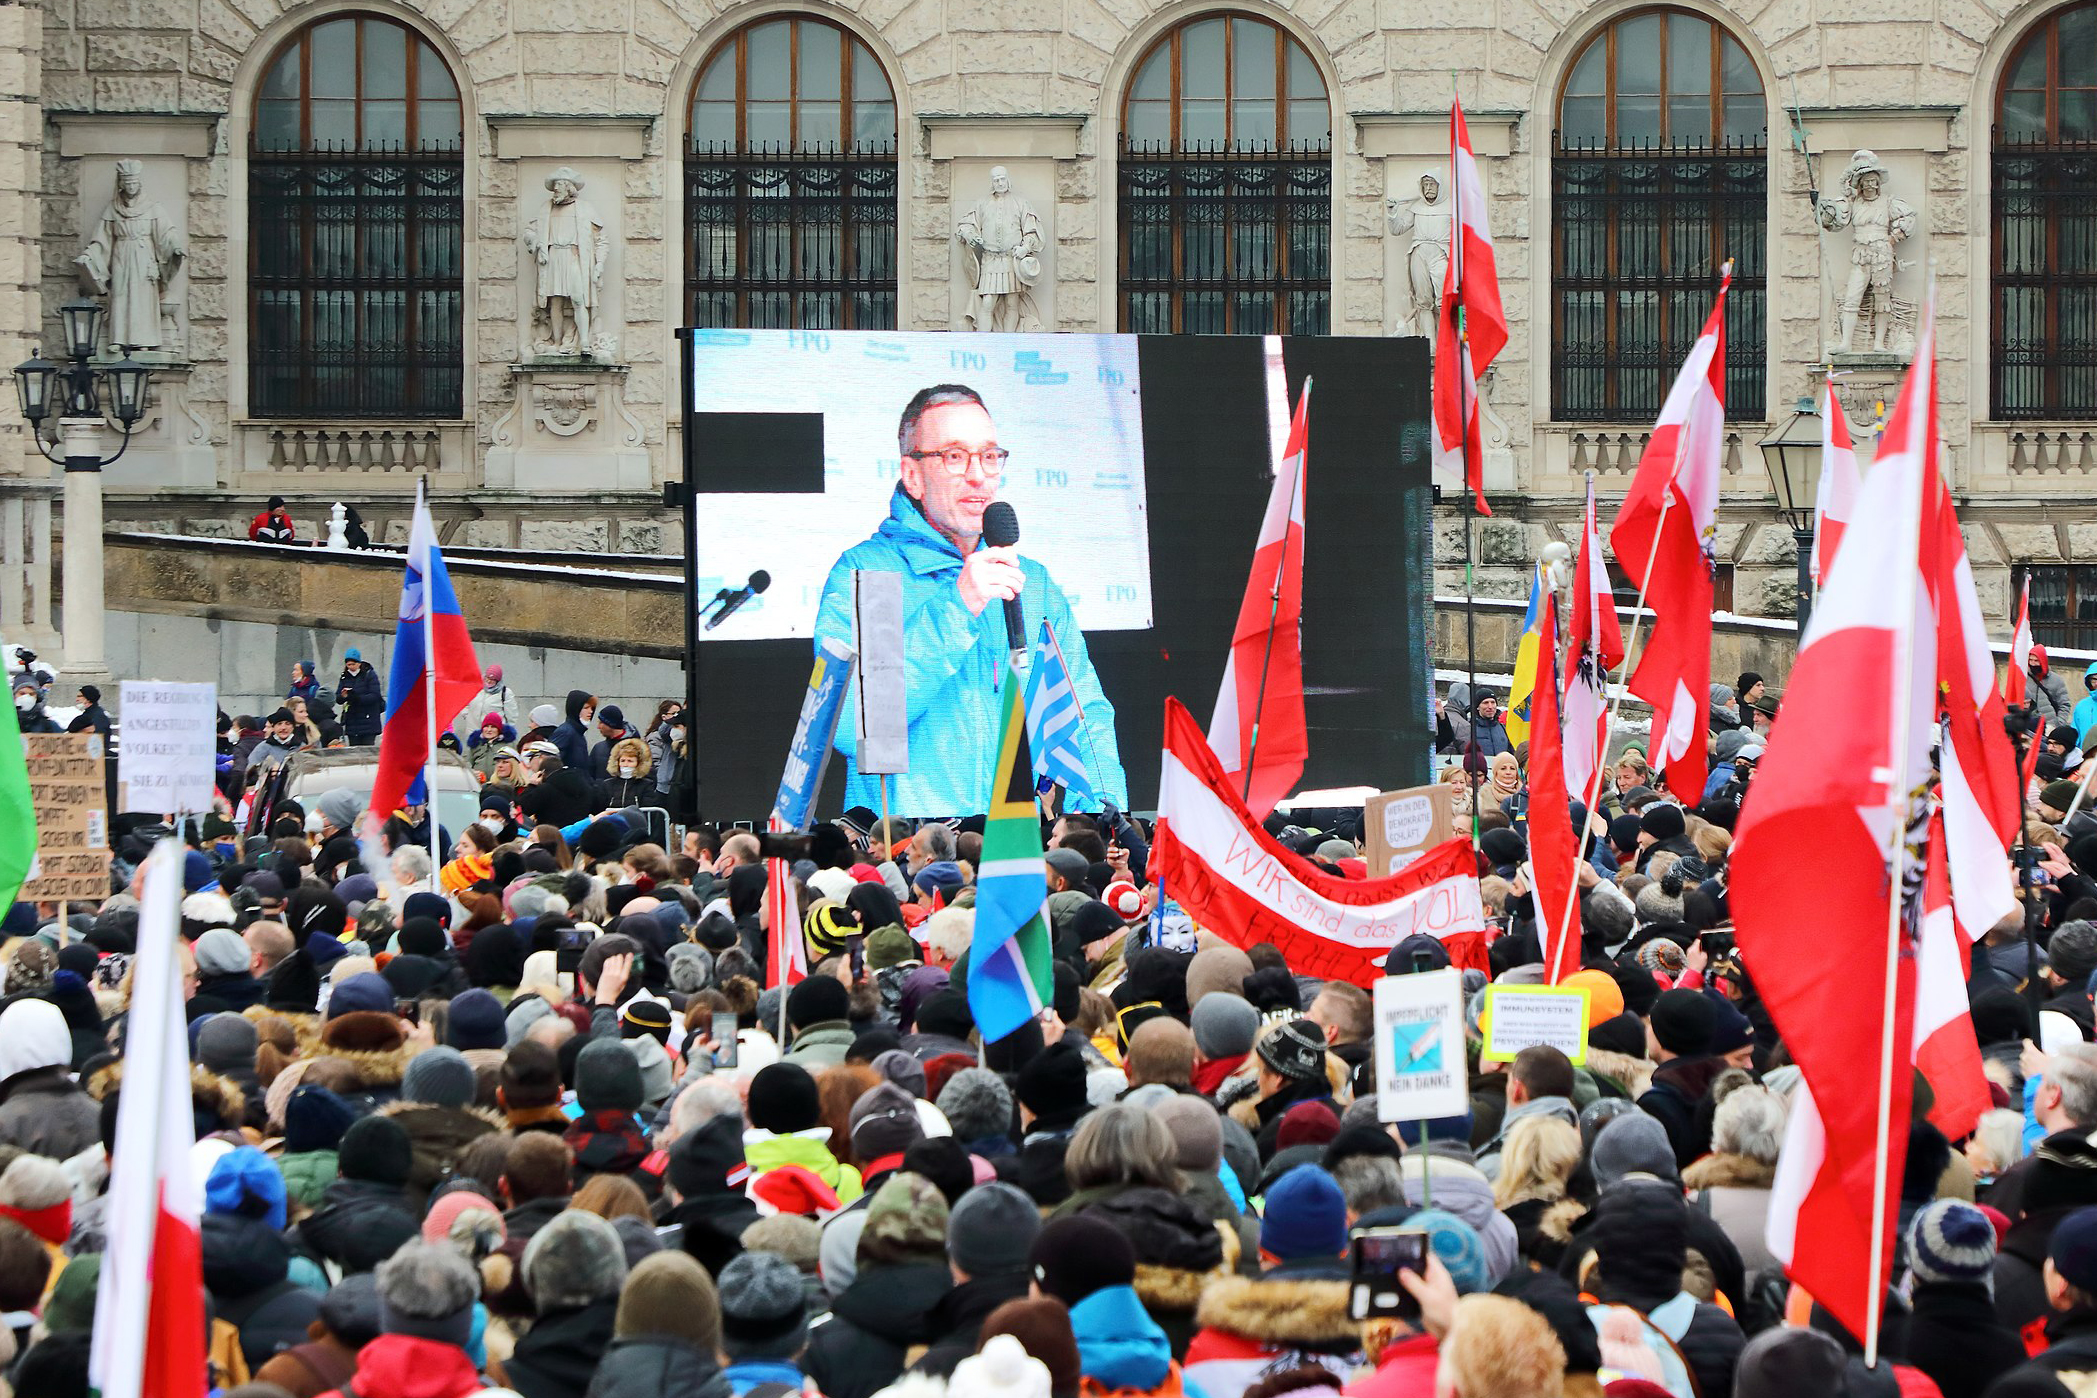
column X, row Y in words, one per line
column 957, row 460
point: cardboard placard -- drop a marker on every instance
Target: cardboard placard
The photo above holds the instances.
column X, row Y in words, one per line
column 1420, row 1047
column 1525, row 1016
column 72, row 821
column 168, row 763
column 883, row 718
column 1400, row 826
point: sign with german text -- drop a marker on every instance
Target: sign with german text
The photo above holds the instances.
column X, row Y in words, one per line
column 169, row 757
column 72, row 822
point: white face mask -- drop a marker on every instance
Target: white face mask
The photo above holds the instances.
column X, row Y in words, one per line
column 492, row 825
column 677, row 735
column 626, row 770
column 25, row 701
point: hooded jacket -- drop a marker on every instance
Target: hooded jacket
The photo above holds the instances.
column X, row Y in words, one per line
column 952, row 661
column 246, row 1270
column 406, row 1366
column 657, row 1366
column 558, row 1356
column 42, row 1109
column 363, row 702
column 766, row 1151
column 873, row 1324
column 2046, row 691
column 2085, row 717
column 1120, row 1346
column 1250, row 1326
column 1178, row 1248
column 571, row 737
column 358, row 1225
column 439, row 1135
column 636, row 790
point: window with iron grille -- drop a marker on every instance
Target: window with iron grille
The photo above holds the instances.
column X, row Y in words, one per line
column 2063, row 607
column 790, row 182
column 2044, row 322
column 1659, row 173
column 1226, row 185
column 356, row 177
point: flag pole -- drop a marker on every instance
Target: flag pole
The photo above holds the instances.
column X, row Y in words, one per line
column 1281, row 567
column 1594, row 778
column 429, row 674
column 1463, row 450
column 1897, row 854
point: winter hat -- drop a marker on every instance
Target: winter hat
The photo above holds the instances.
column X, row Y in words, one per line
column 991, row 1229
column 691, row 967
column 1079, row 1254
column 427, row 1290
column 1041, row 1324
column 35, row 1193
column 574, row 1259
column 1197, row 1132
column 907, row 1219
column 708, row 1159
column 543, row 715
column 1125, row 899
column 2073, row 1249
column 221, row 952
column 1662, row 822
column 439, row 1077
column 645, row 1016
column 475, row 1022
column 226, row 1044
column 243, row 1182
column 1625, row 1034
column 1001, row 1369
column 315, row 1119
column 608, row 1077
column 670, row 1294
column 1305, row 1216
column 764, row 1308
column 1632, row 1144
column 1215, row 969
column 817, row 999
column 977, row 1104
column 375, row 1149
column 884, row 1121
column 942, row 877
column 2073, row 951
column 890, row 946
column 367, row 990
column 531, row 1077
column 1224, row 1023
column 1684, row 1021
column 902, row 1069
column 1406, row 957
column 1730, row 1030
column 1458, row 1245
column 446, row 1210
column 1296, row 1050
column 1605, row 1000
column 784, row 1099
column 1950, row 1241
column 1053, row 1081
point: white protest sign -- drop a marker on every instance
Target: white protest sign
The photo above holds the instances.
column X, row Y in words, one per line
column 169, row 756
column 1526, row 1016
column 1420, row 1047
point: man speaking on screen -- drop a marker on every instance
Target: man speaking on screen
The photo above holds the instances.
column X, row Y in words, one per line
column 957, row 651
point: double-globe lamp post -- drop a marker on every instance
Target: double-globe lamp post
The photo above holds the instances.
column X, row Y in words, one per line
column 75, row 392
column 1792, row 454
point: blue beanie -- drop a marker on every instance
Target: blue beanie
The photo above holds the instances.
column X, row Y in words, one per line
column 1457, row 1244
column 1304, row 1215
column 1441, row 1128
column 247, row 1183
column 367, row 990
column 196, row 871
column 475, row 1022
column 314, row 1119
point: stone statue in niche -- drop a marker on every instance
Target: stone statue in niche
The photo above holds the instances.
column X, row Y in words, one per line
column 1427, row 218
column 567, row 243
column 1877, row 222
column 131, row 257
column 1001, row 241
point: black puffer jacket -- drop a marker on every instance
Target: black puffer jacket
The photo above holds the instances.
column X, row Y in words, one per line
column 1954, row 1337
column 957, row 1321
column 888, row 1308
column 657, row 1366
column 559, row 1355
column 358, row 1225
column 1178, row 1248
column 246, row 1263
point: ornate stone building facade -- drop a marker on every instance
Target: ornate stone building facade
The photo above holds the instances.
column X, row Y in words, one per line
column 392, row 215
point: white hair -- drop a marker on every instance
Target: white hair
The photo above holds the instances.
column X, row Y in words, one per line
column 950, row 930
column 2001, row 1135
column 700, row 1102
column 1749, row 1122
column 411, row 863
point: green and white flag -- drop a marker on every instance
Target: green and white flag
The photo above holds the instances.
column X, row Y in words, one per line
column 17, row 811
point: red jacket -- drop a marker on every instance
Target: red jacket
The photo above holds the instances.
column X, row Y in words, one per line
column 403, row 1366
column 1406, row 1370
column 272, row 527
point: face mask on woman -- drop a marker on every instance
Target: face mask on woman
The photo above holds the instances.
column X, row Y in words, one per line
column 626, row 770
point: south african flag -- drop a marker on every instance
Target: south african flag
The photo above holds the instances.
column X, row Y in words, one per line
column 1009, row 980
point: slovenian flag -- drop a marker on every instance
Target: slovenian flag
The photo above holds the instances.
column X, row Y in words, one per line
column 1009, row 977
column 149, row 1304
column 430, row 636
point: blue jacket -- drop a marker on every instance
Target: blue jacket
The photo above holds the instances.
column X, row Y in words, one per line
column 2085, row 711
column 1119, row 1345
column 954, row 664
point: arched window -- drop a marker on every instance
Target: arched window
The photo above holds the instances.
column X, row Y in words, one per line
column 1658, row 175
column 1226, row 184
column 2044, row 360
column 355, row 225
column 790, row 182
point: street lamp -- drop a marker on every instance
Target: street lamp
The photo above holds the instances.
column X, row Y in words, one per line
column 77, row 388
column 1792, row 454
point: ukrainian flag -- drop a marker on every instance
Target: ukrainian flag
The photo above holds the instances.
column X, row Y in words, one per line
column 1525, row 663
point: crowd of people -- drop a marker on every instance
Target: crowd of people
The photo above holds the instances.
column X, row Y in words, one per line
column 538, row 1121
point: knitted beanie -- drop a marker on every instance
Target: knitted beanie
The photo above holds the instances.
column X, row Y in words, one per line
column 1950, row 1241
column 439, row 1077
column 608, row 1078
column 1224, row 1024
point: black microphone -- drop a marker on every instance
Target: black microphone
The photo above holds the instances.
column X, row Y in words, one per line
column 1001, row 530
column 759, row 581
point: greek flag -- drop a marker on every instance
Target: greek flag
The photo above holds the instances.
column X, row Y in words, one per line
column 1055, row 721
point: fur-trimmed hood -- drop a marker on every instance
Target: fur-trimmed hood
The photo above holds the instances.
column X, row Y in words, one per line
column 1179, row 1288
column 1725, row 1171
column 1634, row 1075
column 376, row 1068
column 1558, row 1220
column 1304, row 1312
